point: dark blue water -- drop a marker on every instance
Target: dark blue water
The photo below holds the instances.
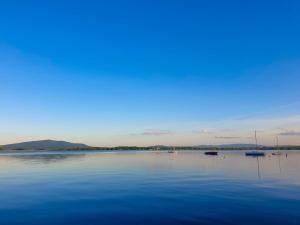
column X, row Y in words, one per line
column 149, row 188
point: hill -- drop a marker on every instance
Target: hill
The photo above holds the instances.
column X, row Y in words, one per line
column 43, row 144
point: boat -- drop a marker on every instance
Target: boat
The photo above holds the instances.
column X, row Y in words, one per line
column 172, row 151
column 211, row 153
column 255, row 153
column 277, row 152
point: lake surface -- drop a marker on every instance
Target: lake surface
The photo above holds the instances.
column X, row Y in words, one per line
column 137, row 187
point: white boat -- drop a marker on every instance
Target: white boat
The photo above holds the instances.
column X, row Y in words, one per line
column 172, row 151
column 277, row 152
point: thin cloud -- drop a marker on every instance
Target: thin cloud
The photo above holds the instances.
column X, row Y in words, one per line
column 226, row 137
column 204, row 131
column 156, row 132
column 290, row 133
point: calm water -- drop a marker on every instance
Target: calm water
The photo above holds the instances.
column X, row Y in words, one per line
column 149, row 188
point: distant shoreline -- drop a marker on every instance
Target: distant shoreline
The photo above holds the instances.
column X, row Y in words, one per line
column 54, row 145
column 150, row 149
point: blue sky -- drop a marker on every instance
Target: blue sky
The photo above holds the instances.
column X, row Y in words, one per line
column 144, row 73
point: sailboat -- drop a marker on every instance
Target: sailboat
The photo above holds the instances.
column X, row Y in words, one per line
column 172, row 151
column 256, row 152
column 278, row 152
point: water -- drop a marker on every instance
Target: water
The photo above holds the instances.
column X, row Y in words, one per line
column 135, row 187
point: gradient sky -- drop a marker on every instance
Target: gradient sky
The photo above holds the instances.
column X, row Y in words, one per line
column 110, row 73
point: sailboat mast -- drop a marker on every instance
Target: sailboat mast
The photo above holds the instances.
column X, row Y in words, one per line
column 255, row 139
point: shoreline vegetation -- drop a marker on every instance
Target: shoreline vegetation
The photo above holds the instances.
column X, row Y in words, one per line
column 181, row 148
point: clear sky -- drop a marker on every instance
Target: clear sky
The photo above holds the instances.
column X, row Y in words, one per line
column 110, row 73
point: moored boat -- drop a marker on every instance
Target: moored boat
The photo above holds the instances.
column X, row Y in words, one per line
column 277, row 153
column 172, row 150
column 277, row 146
column 211, row 153
column 255, row 153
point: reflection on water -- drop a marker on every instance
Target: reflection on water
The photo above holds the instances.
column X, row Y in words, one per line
column 46, row 158
column 149, row 188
